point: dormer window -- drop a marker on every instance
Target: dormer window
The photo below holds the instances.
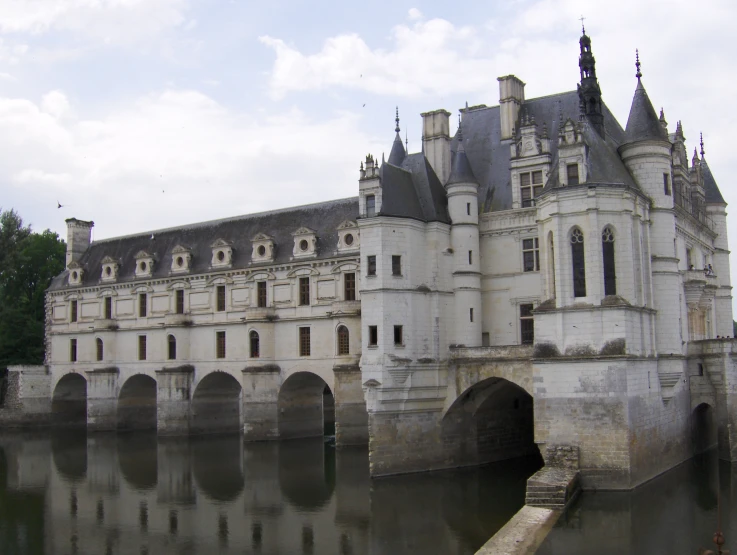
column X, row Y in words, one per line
column 348, row 236
column 263, row 248
column 531, row 186
column 181, row 259
column 305, row 243
column 75, row 273
column 144, row 264
column 110, row 268
column 222, row 254
column 572, row 174
column 370, row 206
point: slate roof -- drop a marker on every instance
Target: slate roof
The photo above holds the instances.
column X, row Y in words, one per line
column 396, row 156
column 643, row 122
column 324, row 218
column 412, row 190
column 711, row 190
column 461, row 171
column 488, row 155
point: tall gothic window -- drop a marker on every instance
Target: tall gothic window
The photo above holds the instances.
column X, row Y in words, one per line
column 343, row 341
column 579, row 265
column 607, row 248
column 255, row 344
column 99, row 346
column 172, row 343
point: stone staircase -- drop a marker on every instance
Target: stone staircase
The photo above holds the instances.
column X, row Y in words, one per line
column 558, row 483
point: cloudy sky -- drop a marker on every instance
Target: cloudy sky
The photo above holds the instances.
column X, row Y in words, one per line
column 143, row 114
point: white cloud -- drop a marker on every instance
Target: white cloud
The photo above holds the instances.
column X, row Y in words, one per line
column 56, row 104
column 106, row 20
column 173, row 157
column 414, row 14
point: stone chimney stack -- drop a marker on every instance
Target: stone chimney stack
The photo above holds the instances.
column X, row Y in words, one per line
column 511, row 97
column 436, row 142
column 79, row 235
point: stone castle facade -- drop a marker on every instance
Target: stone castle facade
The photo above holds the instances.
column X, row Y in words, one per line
column 543, row 278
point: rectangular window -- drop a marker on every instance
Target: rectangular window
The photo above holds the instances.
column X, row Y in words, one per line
column 572, row 171
column 396, row 265
column 304, row 290
column 220, row 298
column 220, row 344
column 470, row 314
column 398, row 338
column 172, row 341
column 370, row 206
column 142, row 305
column 530, row 255
column 141, row 347
column 108, row 308
column 470, row 257
column 350, row 286
column 526, row 324
column 261, row 293
column 73, row 350
column 373, row 336
column 304, row 342
column 73, row 317
column 371, row 265
column 666, row 184
column 468, row 208
column 180, row 301
column 531, row 186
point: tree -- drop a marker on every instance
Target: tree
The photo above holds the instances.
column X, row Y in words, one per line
column 28, row 262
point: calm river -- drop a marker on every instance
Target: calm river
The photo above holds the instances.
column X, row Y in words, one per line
column 66, row 493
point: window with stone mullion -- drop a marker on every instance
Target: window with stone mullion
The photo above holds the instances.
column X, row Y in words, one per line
column 531, row 185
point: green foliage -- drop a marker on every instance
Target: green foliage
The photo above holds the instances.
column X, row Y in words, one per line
column 28, row 262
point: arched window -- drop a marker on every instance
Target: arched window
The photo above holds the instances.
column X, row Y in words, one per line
column 255, row 344
column 607, row 249
column 343, row 342
column 579, row 265
column 172, row 342
column 98, row 342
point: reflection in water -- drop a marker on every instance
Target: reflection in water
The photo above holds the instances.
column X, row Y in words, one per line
column 134, row 493
column 674, row 513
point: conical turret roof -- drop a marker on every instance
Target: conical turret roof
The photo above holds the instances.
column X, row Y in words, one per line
column 461, row 171
column 397, row 154
column 712, row 194
column 643, row 123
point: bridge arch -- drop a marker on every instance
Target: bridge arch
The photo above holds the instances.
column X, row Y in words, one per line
column 492, row 420
column 137, row 403
column 69, row 401
column 216, row 404
column 306, row 407
column 703, row 428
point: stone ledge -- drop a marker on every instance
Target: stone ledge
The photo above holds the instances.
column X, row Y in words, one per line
column 183, row 369
column 262, row 369
column 523, row 534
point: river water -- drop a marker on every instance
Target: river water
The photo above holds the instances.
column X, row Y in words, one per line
column 675, row 513
column 70, row 493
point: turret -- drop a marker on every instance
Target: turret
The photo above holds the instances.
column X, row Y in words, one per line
column 79, row 236
column 462, row 192
column 397, row 154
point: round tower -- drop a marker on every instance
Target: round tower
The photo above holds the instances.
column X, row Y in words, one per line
column 462, row 192
column 646, row 151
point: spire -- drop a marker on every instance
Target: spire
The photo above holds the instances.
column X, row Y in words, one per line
column 397, row 154
column 695, row 159
column 701, row 142
column 589, row 92
column 460, row 171
column 643, row 123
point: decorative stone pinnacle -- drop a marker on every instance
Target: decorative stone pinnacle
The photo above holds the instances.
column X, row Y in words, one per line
column 460, row 129
column 701, row 141
column 637, row 63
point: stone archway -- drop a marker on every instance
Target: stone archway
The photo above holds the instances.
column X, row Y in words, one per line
column 69, row 401
column 216, row 405
column 492, row 420
column 137, row 403
column 306, row 407
column 703, row 428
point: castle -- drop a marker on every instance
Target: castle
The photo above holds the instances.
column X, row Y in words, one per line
column 544, row 279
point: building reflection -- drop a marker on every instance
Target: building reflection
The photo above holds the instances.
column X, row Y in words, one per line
column 136, row 493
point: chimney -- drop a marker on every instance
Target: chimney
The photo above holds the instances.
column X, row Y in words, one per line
column 436, row 142
column 511, row 97
column 79, row 235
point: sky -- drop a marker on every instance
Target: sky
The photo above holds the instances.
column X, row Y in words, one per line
column 146, row 114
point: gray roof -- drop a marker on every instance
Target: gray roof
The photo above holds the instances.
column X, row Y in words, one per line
column 643, row 122
column 412, row 190
column 461, row 171
column 711, row 190
column 488, row 155
column 396, row 156
column 323, row 218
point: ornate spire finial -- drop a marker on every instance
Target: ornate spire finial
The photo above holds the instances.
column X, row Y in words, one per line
column 406, row 141
column 396, row 119
column 701, row 142
column 637, row 63
column 460, row 129
column 583, row 29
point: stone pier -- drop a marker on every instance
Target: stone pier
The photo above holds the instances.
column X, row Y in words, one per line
column 102, row 399
column 174, row 392
column 260, row 398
